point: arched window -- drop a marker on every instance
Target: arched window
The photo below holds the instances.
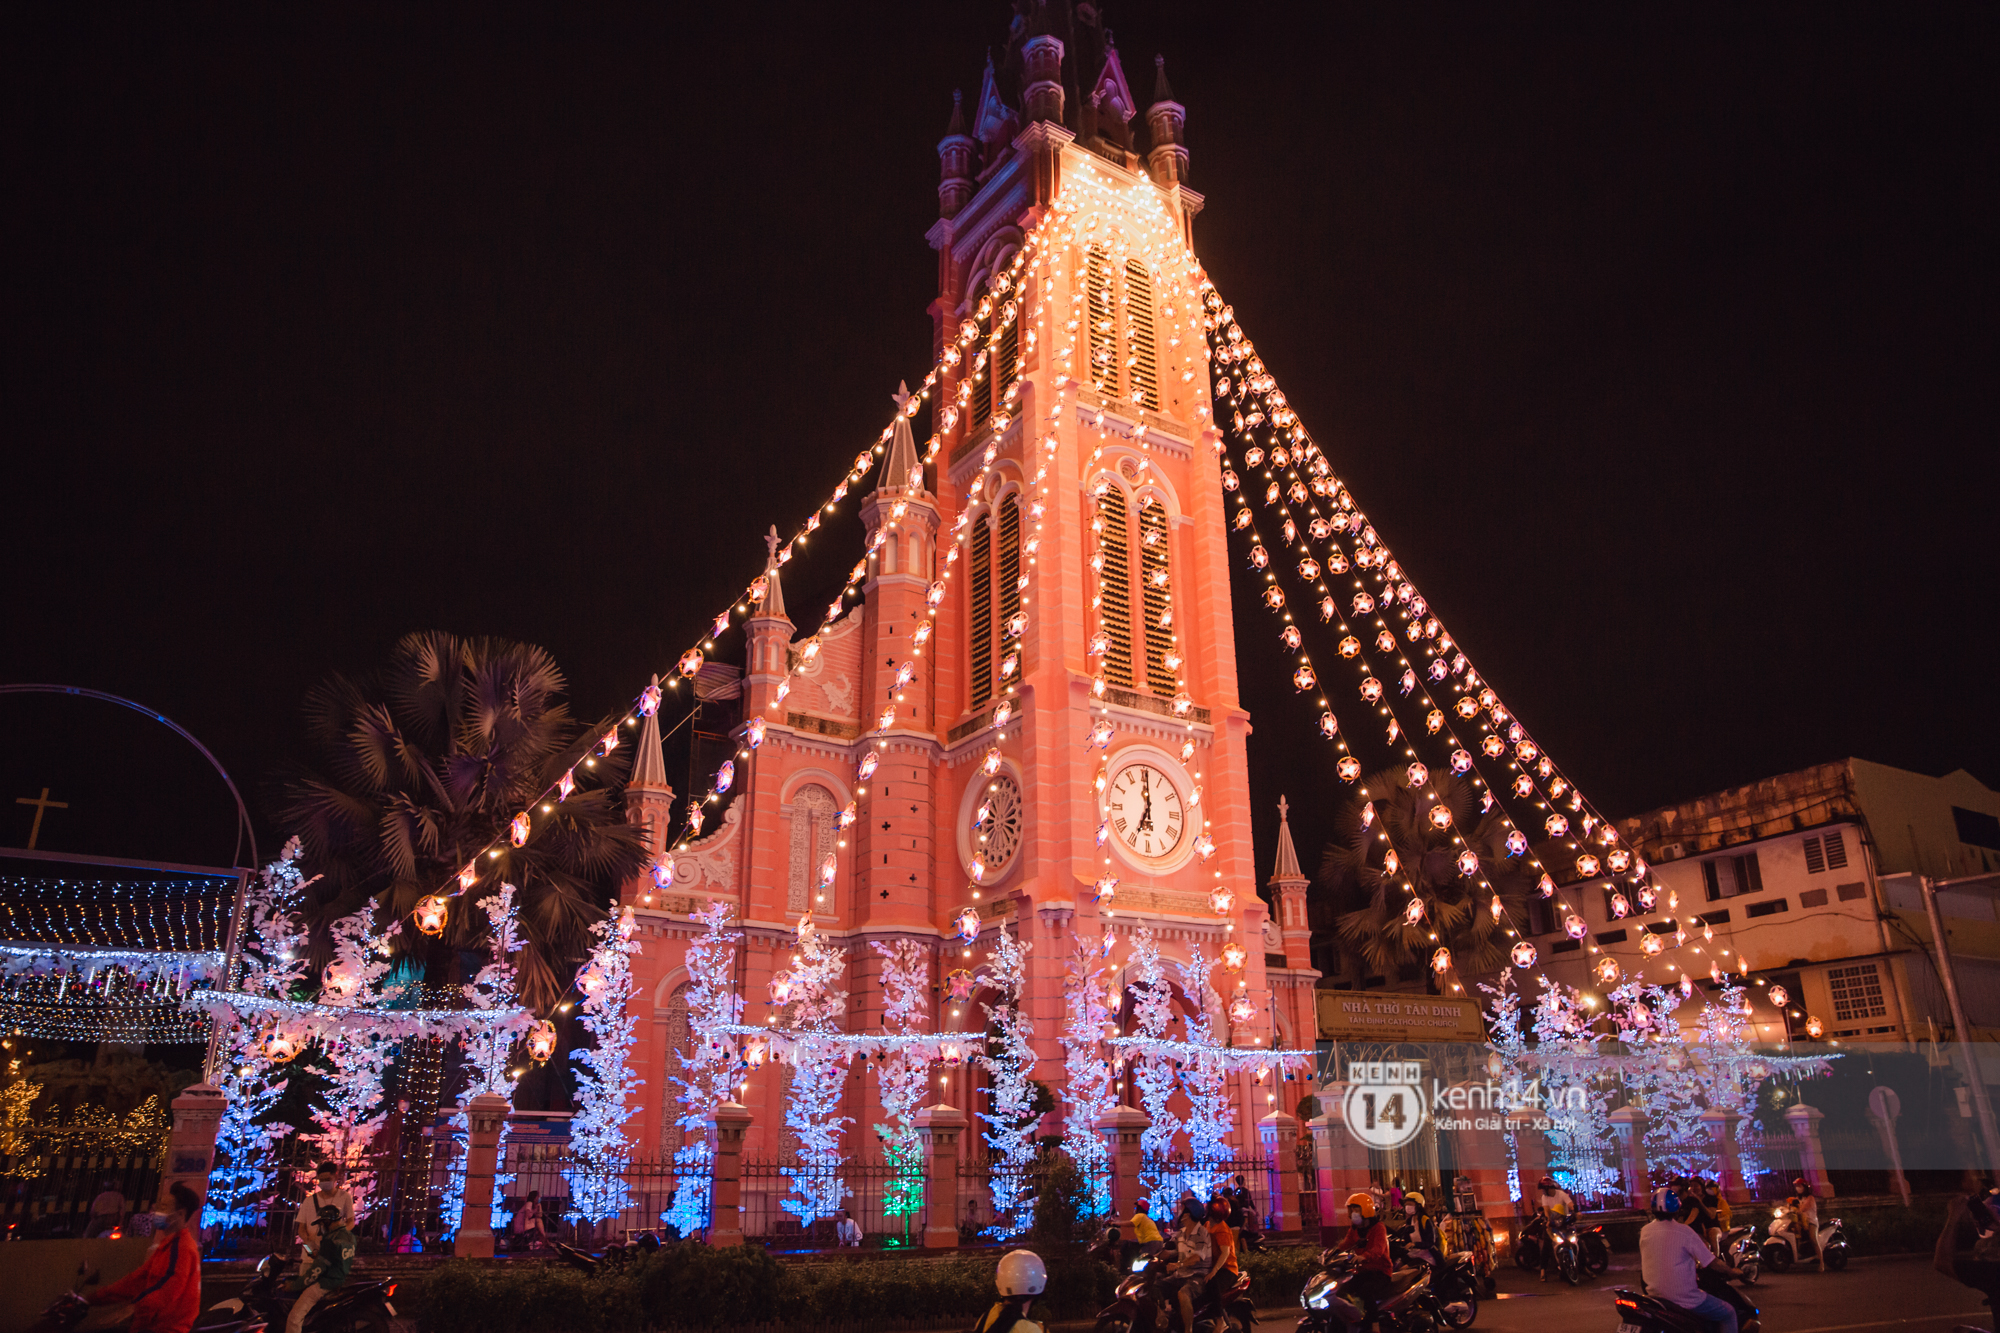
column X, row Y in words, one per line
column 1007, row 571
column 1103, row 320
column 1115, row 586
column 1154, row 594
column 812, row 816
column 1143, row 357
column 981, row 371
column 979, row 624
column 1006, row 358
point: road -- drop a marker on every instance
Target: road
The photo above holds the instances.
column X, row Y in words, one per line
column 1903, row 1294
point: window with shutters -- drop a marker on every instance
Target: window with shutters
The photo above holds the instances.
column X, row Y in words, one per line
column 1836, row 851
column 1007, row 353
column 1732, row 876
column 1857, row 993
column 982, row 382
column 1007, row 574
column 979, row 624
column 1102, row 318
column 1155, row 587
column 1815, row 858
column 1142, row 355
column 1115, row 586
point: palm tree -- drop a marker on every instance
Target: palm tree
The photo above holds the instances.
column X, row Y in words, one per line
column 421, row 763
column 1369, row 894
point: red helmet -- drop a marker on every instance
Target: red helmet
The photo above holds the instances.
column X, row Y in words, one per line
column 1548, row 1182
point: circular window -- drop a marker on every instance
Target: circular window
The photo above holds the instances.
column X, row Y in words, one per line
column 996, row 823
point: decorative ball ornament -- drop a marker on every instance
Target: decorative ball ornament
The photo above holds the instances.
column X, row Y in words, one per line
column 1418, row 775
column 1779, row 996
column 1234, row 956
column 1814, row 1028
column 431, row 915
column 1441, row 960
column 968, row 925
column 517, row 830
column 542, row 1041
column 1441, row 815
column 1468, row 865
column 691, row 661
column 1349, row 768
column 1413, row 912
column 1575, row 926
column 1586, row 866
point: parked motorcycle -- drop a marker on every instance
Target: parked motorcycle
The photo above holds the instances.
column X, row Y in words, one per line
column 1145, row 1303
column 1640, row 1313
column 1781, row 1245
column 1454, row 1278
column 1409, row 1305
column 353, row 1307
column 1738, row 1248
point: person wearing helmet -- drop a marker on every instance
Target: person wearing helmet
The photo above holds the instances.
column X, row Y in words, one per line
column 1367, row 1237
column 1021, row 1278
column 327, row 1264
column 1423, row 1229
column 1671, row 1257
column 1194, row 1254
column 1554, row 1206
column 1805, row 1207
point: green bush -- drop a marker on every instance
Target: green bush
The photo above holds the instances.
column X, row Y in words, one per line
column 1278, row 1275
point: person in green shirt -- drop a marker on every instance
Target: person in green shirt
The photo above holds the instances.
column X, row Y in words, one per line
column 326, row 1266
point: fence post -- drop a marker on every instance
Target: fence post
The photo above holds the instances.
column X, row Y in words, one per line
column 1343, row 1161
column 474, row 1238
column 941, row 1126
column 1629, row 1124
column 1728, row 1161
column 1804, row 1121
column 191, row 1141
column 727, row 1125
column 1279, row 1134
column 1120, row 1127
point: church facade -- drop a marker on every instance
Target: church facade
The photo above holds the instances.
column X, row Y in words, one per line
column 1116, row 563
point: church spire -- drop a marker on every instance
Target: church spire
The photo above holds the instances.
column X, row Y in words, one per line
column 773, row 605
column 1288, row 898
column 900, row 468
column 955, row 164
column 1287, row 868
column 649, row 769
column 1166, row 121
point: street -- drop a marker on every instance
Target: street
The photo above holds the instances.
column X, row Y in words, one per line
column 1902, row 1293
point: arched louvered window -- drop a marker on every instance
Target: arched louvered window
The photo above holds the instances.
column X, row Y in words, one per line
column 1007, row 571
column 1154, row 589
column 1006, row 353
column 1115, row 583
column 979, row 626
column 1142, row 357
column 1102, row 318
column 981, row 371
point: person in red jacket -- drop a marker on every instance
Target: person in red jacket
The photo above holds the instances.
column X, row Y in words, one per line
column 1370, row 1239
column 165, row 1292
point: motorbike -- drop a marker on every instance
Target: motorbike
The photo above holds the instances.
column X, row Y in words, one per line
column 1781, row 1243
column 1409, row 1305
column 1640, row 1313
column 1738, row 1248
column 1568, row 1248
column 353, row 1307
column 1454, row 1278
column 1145, row 1303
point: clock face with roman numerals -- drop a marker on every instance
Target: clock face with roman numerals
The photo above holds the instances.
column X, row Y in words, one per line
column 1145, row 811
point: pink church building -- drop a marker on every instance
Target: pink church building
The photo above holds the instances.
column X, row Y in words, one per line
column 1132, row 492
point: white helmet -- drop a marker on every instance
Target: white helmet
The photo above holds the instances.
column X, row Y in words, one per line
column 1022, row 1273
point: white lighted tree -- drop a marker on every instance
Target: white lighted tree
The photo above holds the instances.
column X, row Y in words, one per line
column 903, row 1074
column 606, row 1084
column 816, row 1004
column 1206, row 1083
column 357, row 1054
column 1086, row 1073
column 708, row 1073
column 1010, row 1062
column 1153, row 1071
column 490, row 1045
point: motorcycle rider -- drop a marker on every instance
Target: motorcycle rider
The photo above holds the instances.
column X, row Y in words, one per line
column 1801, row 1222
column 327, row 1264
column 1022, row 1277
column 1424, row 1242
column 1972, row 1216
column 165, row 1290
column 1553, row 1205
column 1222, row 1271
column 1145, row 1236
column 1195, row 1255
column 1671, row 1256
column 1367, row 1237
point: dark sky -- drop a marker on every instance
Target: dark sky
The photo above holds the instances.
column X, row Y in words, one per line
column 1657, row 340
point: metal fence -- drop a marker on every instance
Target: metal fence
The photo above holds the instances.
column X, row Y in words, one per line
column 1770, row 1163
column 49, row 1194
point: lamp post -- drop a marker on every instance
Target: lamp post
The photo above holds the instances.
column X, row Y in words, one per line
column 1948, row 974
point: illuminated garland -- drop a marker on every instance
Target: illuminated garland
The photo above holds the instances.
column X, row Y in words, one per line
column 187, row 916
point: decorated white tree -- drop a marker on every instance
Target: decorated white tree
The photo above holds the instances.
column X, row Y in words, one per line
column 1206, row 1083
column 1570, row 1067
column 816, row 1004
column 490, row 1046
column 606, row 1083
column 271, row 963
column 903, row 1074
column 1508, row 1045
column 1010, row 1062
column 1153, row 1071
column 357, row 1054
column 1086, row 1073
column 708, row 1073
column 1659, row 1078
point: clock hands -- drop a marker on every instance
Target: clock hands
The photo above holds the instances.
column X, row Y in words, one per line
column 1146, row 790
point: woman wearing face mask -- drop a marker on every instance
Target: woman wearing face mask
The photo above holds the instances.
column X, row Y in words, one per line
column 1367, row 1237
column 165, row 1292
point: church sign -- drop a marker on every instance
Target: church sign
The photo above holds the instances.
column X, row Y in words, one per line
column 1348, row 1016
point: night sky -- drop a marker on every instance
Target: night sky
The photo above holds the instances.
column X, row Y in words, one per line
column 1658, row 342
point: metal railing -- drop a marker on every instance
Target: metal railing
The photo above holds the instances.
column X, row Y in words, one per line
column 49, row 1194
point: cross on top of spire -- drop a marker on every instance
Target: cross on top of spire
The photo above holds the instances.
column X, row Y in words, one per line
column 771, row 543
column 1284, row 806
column 902, row 394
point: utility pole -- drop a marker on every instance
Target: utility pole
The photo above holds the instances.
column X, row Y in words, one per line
column 1949, row 975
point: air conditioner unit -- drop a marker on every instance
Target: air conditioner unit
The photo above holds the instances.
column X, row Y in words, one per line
column 1673, row 851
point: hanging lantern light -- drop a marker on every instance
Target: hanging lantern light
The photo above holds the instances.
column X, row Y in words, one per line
column 756, row 1051
column 1557, row 825
column 1620, row 861
column 1441, row 960
column 340, row 982
column 1289, row 636
column 1242, row 1009
column 1461, row 761
column 1620, row 908
column 1413, row 911
column 1221, row 901
column 1517, row 843
column 959, row 984
column 1607, row 971
column 1778, row 995
column 468, row 876
column 991, row 763
column 1391, row 862
column 1575, row 926
column 542, row 1041
column 1586, row 866
column 1468, row 864
column 951, row 1055
column 1329, row 725
column 1417, row 774
column 1204, row 846
column 1814, row 1028
column 1234, row 956
column 281, row 1047
column 968, row 925
column 565, row 785
column 1441, row 815
column 754, row 733
column 1651, row 945
column 866, row 768
column 1467, row 706
column 691, row 661
column 649, row 701
column 1525, row 751
column 1349, row 768
column 1107, row 886
column 1371, row 690
column 1524, row 785
column 1649, row 897
column 1523, row 954
column 781, row 987
column 517, row 830
column 829, row 868
column 1545, row 886
column 431, row 915
column 1687, row 985
column 1303, row 677
column 1434, row 721
column 1274, row 597
column 725, row 776
column 1496, row 907
column 1493, row 747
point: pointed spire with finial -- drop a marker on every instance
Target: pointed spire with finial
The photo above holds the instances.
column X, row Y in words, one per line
column 773, row 605
column 1287, row 869
column 649, row 768
column 1161, row 92
column 900, row 468
column 1166, row 121
column 957, row 125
